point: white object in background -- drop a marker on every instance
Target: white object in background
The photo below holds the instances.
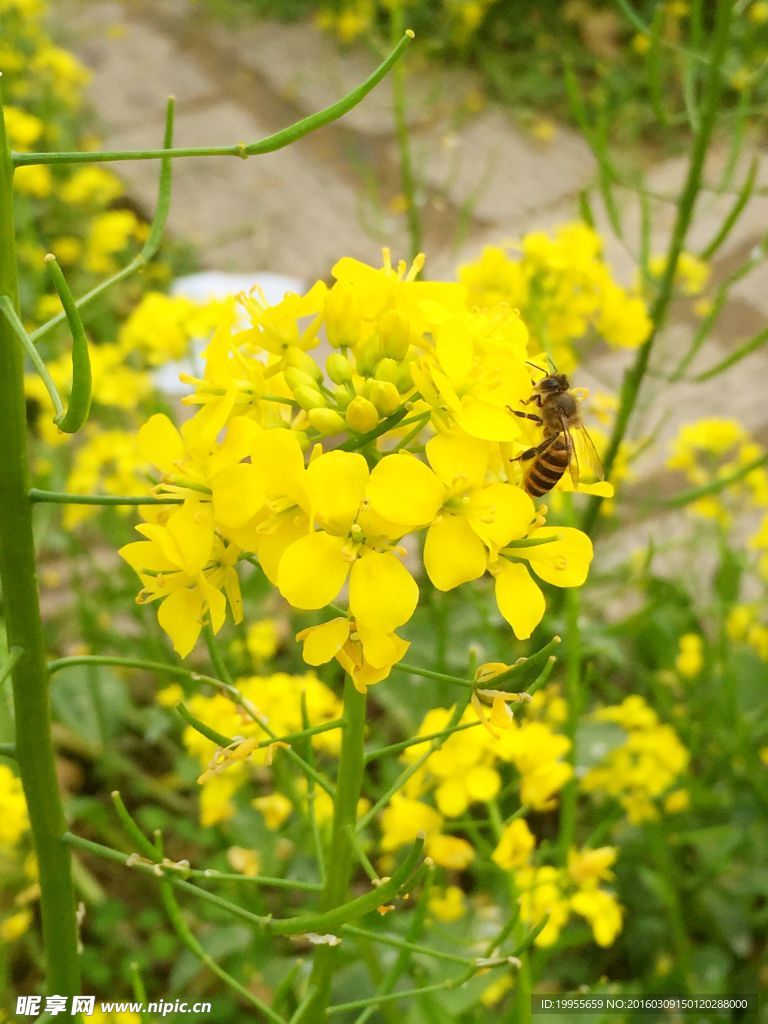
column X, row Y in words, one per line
column 216, row 284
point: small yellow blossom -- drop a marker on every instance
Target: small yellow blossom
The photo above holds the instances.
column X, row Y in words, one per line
column 690, row 659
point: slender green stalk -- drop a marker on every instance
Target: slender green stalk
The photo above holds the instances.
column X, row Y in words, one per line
column 573, row 698
column 340, row 857
column 428, row 673
column 400, row 112
column 411, row 770
column 278, row 140
column 396, row 748
column 150, row 247
column 715, row 486
column 34, row 747
column 35, row 494
column 11, row 661
column 635, row 376
column 8, row 309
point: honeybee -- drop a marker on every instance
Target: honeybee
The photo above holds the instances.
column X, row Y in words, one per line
column 564, row 433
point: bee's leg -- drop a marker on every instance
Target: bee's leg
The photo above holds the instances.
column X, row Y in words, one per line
column 531, row 453
column 526, row 415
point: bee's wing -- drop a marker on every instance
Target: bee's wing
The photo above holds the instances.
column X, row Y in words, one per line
column 573, row 457
column 587, row 453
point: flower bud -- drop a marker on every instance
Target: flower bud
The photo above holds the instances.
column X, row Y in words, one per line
column 388, row 369
column 326, row 421
column 299, row 379
column 395, row 334
column 342, row 396
column 362, row 415
column 338, row 368
column 308, row 398
column 300, row 360
column 368, row 354
column 342, row 319
column 385, row 397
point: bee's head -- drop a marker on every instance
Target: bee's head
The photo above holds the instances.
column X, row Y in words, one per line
column 553, row 383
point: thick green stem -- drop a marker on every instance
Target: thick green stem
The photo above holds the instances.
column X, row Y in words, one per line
column 341, row 854
column 34, row 747
column 634, row 377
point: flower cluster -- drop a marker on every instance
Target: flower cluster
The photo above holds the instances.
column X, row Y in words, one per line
column 713, row 449
column 643, row 769
column 333, row 430
column 467, row 769
column 268, row 706
column 564, row 289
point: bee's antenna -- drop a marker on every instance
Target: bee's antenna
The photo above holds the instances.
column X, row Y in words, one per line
column 552, row 367
column 536, row 366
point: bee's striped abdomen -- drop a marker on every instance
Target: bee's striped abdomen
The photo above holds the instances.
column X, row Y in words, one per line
column 547, row 468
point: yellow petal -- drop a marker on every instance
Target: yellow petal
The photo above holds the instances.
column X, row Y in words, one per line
column 189, row 537
column 454, row 350
column 382, row 593
column 453, row 553
column 323, row 642
column 499, row 513
column 452, row 798
column 482, row 782
column 563, row 562
column 486, row 421
column 335, row 485
column 404, row 490
column 382, row 650
column 459, row 460
column 271, row 545
column 181, row 615
column 279, row 460
column 144, row 554
column 520, row 600
column 160, row 443
column 312, row 570
column 237, row 495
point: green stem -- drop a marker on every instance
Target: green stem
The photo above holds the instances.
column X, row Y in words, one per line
column 634, row 377
column 428, row 673
column 573, row 698
column 151, row 245
column 340, row 857
column 34, row 747
column 8, row 309
column 267, row 145
column 400, row 111
column 35, row 494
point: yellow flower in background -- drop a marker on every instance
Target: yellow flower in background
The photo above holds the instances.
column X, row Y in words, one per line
column 91, row 186
column 690, row 659
column 644, row 767
column 23, row 129
column 537, row 753
column 35, row 180
column 275, row 809
column 691, row 274
column 515, row 846
column 602, row 911
column 14, row 821
column 564, row 290
column 109, row 234
column 13, row 927
column 447, row 904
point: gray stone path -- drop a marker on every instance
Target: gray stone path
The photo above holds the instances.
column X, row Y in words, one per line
column 296, row 211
